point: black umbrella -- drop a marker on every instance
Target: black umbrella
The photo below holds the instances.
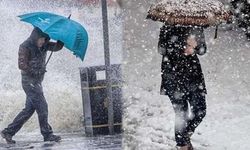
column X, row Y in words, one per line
column 190, row 12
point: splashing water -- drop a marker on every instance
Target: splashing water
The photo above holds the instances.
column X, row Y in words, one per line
column 62, row 81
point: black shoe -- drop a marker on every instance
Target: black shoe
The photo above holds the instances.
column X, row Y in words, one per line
column 190, row 146
column 8, row 138
column 52, row 138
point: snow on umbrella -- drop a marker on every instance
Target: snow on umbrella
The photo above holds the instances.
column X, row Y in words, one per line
column 190, row 12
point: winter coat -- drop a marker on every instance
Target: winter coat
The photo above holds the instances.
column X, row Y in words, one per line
column 31, row 59
column 180, row 73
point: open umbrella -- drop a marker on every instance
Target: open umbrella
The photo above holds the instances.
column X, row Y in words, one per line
column 190, row 12
column 70, row 32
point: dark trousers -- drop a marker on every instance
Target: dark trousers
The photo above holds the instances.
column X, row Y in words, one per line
column 35, row 101
column 186, row 122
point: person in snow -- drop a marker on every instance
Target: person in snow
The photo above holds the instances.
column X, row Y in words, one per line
column 182, row 78
column 31, row 62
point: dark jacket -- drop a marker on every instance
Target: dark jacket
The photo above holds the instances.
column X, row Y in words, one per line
column 180, row 73
column 31, row 59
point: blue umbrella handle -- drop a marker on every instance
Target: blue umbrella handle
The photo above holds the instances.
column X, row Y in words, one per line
column 48, row 58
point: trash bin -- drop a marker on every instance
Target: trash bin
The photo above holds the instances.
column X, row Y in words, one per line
column 95, row 102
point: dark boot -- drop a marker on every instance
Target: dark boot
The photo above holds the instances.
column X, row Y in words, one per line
column 182, row 147
column 8, row 138
column 52, row 138
column 190, row 146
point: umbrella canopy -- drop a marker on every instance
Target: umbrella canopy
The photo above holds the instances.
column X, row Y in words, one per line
column 70, row 32
column 190, row 12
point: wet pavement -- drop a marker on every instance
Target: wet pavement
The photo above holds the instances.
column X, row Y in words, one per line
column 69, row 142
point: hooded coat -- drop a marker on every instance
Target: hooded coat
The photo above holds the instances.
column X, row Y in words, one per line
column 31, row 59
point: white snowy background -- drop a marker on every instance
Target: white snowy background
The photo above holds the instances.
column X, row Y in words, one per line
column 149, row 117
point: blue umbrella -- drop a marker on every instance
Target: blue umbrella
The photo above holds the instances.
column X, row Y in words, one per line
column 70, row 32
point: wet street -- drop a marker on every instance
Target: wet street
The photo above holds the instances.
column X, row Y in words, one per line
column 69, row 142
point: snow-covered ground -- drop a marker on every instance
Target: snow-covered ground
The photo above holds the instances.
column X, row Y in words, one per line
column 149, row 117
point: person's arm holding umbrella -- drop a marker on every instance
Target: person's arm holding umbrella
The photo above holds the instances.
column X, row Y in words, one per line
column 54, row 47
column 196, row 43
column 201, row 48
column 190, row 46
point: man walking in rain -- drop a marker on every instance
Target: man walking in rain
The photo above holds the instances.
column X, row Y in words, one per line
column 182, row 78
column 32, row 63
